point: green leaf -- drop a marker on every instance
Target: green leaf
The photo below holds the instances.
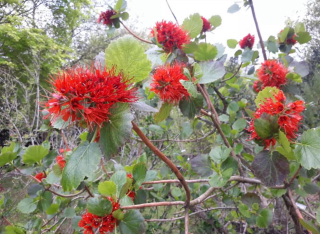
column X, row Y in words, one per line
column 307, row 152
column 272, row 45
column 212, row 71
column 52, row 178
column 301, row 68
column 187, row 130
column 124, row 15
column 247, row 55
column 215, row 20
column 151, row 175
column 271, row 169
column 189, row 107
column 318, row 215
column 309, row 226
column 244, row 210
column 303, row 37
column 193, row 25
column 190, row 87
column 120, row 5
column 278, row 192
column 265, row 128
column 53, row 208
column 14, row 230
column 176, row 192
column 220, row 153
column 233, row 8
column 267, row 92
column 205, row 52
column 239, row 124
column 285, row 148
column 99, row 206
column 284, row 34
column 69, row 212
column 139, row 173
column 250, row 198
column 27, row 206
column 107, row 188
column 83, row 162
column 311, row 188
column 132, row 223
column 232, row 43
column 264, row 218
column 7, row 149
column 129, row 57
column 201, row 165
column 164, row 112
column 34, row 154
column 294, row 76
column 7, row 157
column 219, row 180
column 190, row 48
column 119, row 178
column 117, row 130
column 197, row 71
column 118, row 214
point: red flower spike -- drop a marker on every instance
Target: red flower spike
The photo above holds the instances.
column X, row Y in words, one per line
column 129, row 175
column 271, row 73
column 105, row 17
column 166, row 83
column 40, row 176
column 88, row 94
column 288, row 117
column 170, row 36
column 257, row 86
column 206, row 25
column 247, row 41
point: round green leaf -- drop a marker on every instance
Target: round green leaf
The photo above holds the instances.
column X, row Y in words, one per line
column 139, row 174
column 212, row 71
column 164, row 112
column 233, row 8
column 264, row 218
column 232, row 43
column 107, row 188
column 267, row 92
column 239, row 124
column 193, row 25
column 205, row 52
column 69, row 212
column 215, row 20
column 27, row 206
column 129, row 57
column 99, row 206
column 7, row 157
column 132, row 223
column 34, row 154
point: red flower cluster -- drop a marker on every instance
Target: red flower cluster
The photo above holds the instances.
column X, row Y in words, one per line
column 61, row 161
column 271, row 73
column 247, row 41
column 166, row 83
column 40, row 176
column 106, row 224
column 130, row 193
column 105, row 17
column 206, row 25
column 88, row 94
column 288, row 117
column 170, row 36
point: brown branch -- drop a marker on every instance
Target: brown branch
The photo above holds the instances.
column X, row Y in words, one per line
column 295, row 175
column 133, row 34
column 7, row 221
column 88, row 190
column 166, row 160
column 186, row 221
column 223, row 99
column 172, row 13
column 103, row 168
column 234, row 74
column 64, row 139
column 153, row 204
column 258, row 30
column 182, row 217
column 65, row 195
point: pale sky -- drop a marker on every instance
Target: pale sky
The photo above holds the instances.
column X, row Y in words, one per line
column 271, row 15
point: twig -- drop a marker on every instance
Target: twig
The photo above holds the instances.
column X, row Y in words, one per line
column 222, row 98
column 153, row 204
column 133, row 34
column 64, row 139
column 64, row 219
column 88, row 190
column 295, row 175
column 182, row 217
column 103, row 168
column 64, row 195
column 234, row 74
column 186, row 221
column 166, row 160
column 172, row 13
column 258, row 30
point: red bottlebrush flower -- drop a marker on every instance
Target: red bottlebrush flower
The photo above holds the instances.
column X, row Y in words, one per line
column 105, row 17
column 247, row 41
column 129, row 175
column 170, row 36
column 106, row 224
column 257, row 86
column 88, row 94
column 206, row 25
column 61, row 161
column 166, row 83
column 131, row 194
column 288, row 117
column 61, row 151
column 271, row 73
column 40, row 176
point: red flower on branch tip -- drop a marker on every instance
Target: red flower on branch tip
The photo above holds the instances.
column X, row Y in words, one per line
column 170, row 36
column 88, row 94
column 106, row 224
column 105, row 17
column 166, row 83
column 206, row 25
column 289, row 41
column 288, row 117
column 272, row 73
column 247, row 41
column 40, row 176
